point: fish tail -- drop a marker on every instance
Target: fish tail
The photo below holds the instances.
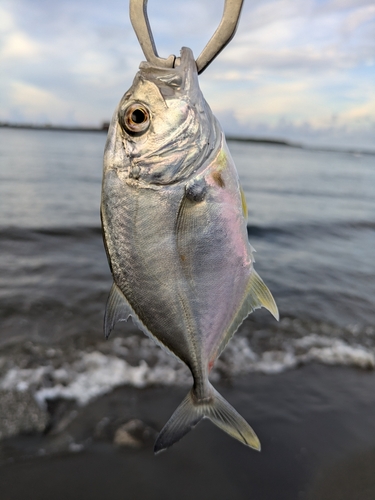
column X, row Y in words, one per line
column 217, row 409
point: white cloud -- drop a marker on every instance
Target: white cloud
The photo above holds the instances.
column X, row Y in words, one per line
column 34, row 101
column 19, row 46
column 13, row 42
column 356, row 19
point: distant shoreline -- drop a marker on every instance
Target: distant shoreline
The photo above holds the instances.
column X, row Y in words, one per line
column 232, row 138
column 58, row 128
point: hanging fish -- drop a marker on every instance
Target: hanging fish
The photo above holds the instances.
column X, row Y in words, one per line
column 174, row 224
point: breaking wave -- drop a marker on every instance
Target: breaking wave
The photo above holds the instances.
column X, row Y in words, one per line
column 83, row 375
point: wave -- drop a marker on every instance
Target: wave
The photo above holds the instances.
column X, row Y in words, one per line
column 138, row 362
column 313, row 229
column 53, row 382
column 30, row 233
column 240, row 358
column 335, row 228
column 22, row 232
column 314, row 194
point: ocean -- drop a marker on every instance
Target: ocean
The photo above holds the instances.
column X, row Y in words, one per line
column 311, row 221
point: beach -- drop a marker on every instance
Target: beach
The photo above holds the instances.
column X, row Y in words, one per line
column 311, row 448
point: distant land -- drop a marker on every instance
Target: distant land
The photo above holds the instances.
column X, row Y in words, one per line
column 258, row 140
column 58, row 128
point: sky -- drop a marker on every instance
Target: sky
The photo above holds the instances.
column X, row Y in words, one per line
column 301, row 70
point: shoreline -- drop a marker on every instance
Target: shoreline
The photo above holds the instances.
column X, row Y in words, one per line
column 234, row 138
column 57, row 128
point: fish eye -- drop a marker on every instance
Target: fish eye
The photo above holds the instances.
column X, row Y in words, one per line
column 136, row 119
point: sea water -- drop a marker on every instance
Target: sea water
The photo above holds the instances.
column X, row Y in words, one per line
column 311, row 221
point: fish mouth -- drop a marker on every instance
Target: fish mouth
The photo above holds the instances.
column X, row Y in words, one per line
column 182, row 78
column 186, row 61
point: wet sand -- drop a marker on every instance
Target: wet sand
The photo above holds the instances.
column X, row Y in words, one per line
column 316, row 425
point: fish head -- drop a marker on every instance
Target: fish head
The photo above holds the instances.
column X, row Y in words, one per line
column 162, row 128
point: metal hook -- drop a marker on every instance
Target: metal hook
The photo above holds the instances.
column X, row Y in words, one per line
column 222, row 36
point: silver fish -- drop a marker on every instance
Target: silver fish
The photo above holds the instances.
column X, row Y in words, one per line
column 174, row 223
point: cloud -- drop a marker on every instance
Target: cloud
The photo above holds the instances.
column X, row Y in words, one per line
column 293, row 68
column 18, row 46
column 328, row 134
column 357, row 19
column 14, row 44
column 298, row 36
column 33, row 101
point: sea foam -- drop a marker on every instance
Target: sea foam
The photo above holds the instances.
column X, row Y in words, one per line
column 92, row 374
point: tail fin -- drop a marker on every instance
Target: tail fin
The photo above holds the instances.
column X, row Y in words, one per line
column 217, row 409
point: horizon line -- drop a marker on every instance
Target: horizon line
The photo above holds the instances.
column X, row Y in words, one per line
column 234, row 138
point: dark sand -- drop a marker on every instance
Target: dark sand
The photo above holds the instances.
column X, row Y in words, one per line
column 316, row 425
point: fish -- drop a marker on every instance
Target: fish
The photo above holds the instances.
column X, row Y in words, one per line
column 174, row 221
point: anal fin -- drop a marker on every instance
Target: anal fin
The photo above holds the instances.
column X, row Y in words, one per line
column 257, row 296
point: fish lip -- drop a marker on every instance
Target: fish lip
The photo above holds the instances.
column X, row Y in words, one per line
column 187, row 59
column 183, row 77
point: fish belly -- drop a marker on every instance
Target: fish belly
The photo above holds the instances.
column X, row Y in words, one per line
column 214, row 254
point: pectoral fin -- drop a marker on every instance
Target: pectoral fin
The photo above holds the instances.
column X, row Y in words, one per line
column 257, row 295
column 192, row 223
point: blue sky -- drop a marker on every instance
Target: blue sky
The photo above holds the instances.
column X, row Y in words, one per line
column 303, row 70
